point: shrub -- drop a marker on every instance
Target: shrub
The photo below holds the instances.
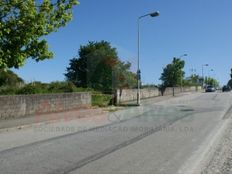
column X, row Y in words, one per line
column 84, row 90
column 8, row 90
column 33, row 88
column 101, row 100
column 44, row 88
column 9, row 78
column 60, row 87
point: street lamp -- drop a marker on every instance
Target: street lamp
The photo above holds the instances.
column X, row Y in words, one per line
column 205, row 65
column 181, row 80
column 154, row 14
column 184, row 55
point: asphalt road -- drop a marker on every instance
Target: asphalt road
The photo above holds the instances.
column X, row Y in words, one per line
column 161, row 138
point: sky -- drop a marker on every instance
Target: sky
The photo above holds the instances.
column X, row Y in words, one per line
column 200, row 28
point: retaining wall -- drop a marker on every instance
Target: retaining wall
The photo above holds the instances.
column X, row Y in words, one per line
column 131, row 94
column 24, row 105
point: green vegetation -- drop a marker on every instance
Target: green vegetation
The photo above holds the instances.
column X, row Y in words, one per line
column 99, row 67
column 23, row 25
column 9, row 78
column 101, row 100
column 149, row 86
column 193, row 80
column 211, row 81
column 8, row 90
column 42, row 88
column 173, row 73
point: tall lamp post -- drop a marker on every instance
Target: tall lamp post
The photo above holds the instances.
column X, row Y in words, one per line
column 203, row 81
column 181, row 79
column 154, row 14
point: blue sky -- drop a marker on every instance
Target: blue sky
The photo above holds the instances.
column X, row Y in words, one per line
column 200, row 28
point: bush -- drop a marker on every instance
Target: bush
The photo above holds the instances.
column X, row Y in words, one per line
column 33, row 88
column 44, row 88
column 101, row 100
column 8, row 90
column 61, row 87
column 84, row 90
column 9, row 78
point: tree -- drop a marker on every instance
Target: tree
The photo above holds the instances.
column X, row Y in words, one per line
column 193, row 80
column 9, row 78
column 173, row 73
column 211, row 81
column 122, row 77
column 23, row 23
column 99, row 67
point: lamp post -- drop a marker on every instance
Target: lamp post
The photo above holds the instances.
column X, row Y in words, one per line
column 181, row 80
column 154, row 14
column 205, row 65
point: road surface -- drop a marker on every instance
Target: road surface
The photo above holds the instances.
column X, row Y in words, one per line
column 164, row 137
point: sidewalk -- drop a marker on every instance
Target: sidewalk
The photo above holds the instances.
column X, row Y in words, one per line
column 50, row 118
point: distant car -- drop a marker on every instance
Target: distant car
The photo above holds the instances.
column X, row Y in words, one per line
column 210, row 89
column 226, row 88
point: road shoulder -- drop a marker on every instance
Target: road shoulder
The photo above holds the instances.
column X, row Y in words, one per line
column 219, row 159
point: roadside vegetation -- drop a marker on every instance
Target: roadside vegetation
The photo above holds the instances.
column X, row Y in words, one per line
column 101, row 100
column 173, row 75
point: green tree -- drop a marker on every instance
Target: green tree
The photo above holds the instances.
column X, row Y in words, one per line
column 211, row 81
column 173, row 73
column 23, row 23
column 193, row 80
column 9, row 78
column 99, row 67
column 122, row 77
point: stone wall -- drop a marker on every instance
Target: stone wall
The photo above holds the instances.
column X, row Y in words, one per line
column 24, row 105
column 131, row 94
column 177, row 90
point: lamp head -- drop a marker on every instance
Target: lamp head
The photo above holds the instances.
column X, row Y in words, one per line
column 155, row 14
